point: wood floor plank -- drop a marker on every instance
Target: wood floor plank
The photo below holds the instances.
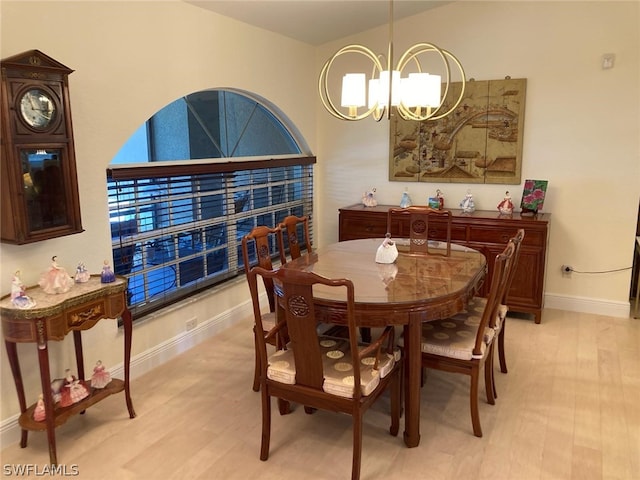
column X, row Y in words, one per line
column 567, row 409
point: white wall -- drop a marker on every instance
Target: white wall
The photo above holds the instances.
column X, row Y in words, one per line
column 581, row 130
column 130, row 60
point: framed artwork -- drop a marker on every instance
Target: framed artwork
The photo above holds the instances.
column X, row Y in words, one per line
column 480, row 142
column 533, row 195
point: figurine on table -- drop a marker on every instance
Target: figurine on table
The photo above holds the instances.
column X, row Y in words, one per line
column 39, row 413
column 368, row 198
column 101, row 377
column 107, row 275
column 405, row 201
column 440, row 198
column 19, row 296
column 506, row 205
column 467, row 204
column 387, row 252
column 56, row 279
column 73, row 390
column 82, row 275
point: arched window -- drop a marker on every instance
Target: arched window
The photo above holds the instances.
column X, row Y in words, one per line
column 191, row 182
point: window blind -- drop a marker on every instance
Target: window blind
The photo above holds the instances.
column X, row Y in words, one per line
column 177, row 229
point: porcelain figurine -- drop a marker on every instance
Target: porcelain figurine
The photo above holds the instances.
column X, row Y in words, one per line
column 467, row 204
column 72, row 391
column 405, row 201
column 368, row 198
column 39, row 413
column 387, row 252
column 506, row 205
column 82, row 275
column 56, row 279
column 107, row 275
column 101, row 377
column 19, row 296
column 440, row 198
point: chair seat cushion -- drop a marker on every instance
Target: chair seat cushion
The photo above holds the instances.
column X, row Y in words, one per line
column 268, row 321
column 477, row 305
column 454, row 337
column 337, row 364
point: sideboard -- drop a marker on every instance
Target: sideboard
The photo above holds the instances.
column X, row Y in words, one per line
column 483, row 230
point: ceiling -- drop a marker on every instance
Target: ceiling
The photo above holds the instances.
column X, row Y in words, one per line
column 315, row 21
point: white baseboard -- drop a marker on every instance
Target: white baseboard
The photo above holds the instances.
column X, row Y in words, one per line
column 588, row 305
column 152, row 358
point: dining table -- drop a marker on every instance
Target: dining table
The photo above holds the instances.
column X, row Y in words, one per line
column 415, row 288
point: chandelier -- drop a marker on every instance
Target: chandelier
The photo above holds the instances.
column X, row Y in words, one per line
column 418, row 96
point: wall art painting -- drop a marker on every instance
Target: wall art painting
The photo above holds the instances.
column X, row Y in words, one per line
column 533, row 195
column 480, row 142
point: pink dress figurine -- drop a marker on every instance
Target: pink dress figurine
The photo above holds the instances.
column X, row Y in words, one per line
column 101, row 377
column 39, row 413
column 506, row 205
column 56, row 279
column 73, row 390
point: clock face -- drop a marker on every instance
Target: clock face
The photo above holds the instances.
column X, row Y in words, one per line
column 37, row 108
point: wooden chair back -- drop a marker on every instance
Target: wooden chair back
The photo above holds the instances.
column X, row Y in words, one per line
column 517, row 240
column 419, row 218
column 260, row 244
column 296, row 230
column 499, row 282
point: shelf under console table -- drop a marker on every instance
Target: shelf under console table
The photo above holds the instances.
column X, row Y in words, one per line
column 52, row 318
column 483, row 230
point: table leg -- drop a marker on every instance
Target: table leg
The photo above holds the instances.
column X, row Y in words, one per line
column 413, row 369
column 127, row 323
column 45, row 378
column 12, row 354
column 77, row 342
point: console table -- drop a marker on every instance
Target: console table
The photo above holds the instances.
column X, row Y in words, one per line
column 52, row 318
column 483, row 230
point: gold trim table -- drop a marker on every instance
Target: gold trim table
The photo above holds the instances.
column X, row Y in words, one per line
column 51, row 318
column 414, row 289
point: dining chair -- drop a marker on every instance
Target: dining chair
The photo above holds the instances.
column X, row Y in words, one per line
column 296, row 230
column 322, row 372
column 464, row 343
column 264, row 241
column 478, row 304
column 419, row 228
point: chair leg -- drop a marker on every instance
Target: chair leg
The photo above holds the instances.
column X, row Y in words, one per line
column 396, row 401
column 266, row 425
column 473, row 400
column 501, row 355
column 357, row 445
column 256, row 372
column 489, row 380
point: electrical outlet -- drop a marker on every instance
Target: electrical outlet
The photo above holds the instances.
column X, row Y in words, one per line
column 191, row 323
column 566, row 269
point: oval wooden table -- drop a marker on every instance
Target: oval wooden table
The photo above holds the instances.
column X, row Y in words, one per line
column 414, row 289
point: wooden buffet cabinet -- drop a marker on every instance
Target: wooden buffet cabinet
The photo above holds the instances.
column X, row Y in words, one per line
column 51, row 318
column 482, row 230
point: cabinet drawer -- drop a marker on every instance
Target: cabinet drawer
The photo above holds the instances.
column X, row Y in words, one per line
column 503, row 234
column 89, row 312
column 361, row 227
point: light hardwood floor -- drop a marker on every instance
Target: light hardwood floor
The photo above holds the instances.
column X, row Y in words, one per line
column 569, row 408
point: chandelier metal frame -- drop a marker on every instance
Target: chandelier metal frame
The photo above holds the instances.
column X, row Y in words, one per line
column 378, row 112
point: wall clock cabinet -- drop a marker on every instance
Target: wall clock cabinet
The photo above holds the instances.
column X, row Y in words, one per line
column 38, row 177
